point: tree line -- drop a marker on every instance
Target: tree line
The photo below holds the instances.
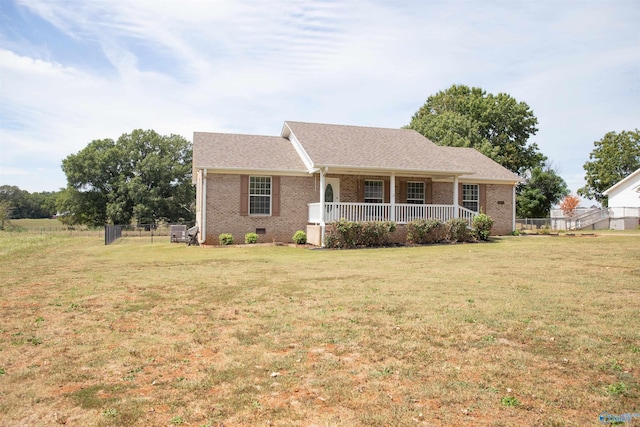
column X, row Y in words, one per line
column 143, row 177
column 19, row 203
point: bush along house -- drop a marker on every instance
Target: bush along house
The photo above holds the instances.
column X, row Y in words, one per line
column 315, row 174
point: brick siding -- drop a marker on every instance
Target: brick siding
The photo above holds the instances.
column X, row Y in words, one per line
column 223, row 206
column 501, row 213
column 223, row 209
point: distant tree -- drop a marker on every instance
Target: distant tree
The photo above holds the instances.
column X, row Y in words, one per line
column 22, row 204
column 143, row 176
column 42, row 204
column 569, row 205
column 15, row 201
column 614, row 157
column 543, row 189
column 496, row 125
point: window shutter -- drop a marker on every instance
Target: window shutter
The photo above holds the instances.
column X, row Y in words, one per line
column 403, row 191
column 482, row 194
column 460, row 195
column 387, row 191
column 428, row 193
column 275, row 196
column 360, row 190
column 244, row 195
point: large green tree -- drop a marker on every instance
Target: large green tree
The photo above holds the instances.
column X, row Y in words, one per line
column 499, row 127
column 615, row 156
column 543, row 189
column 142, row 177
column 496, row 125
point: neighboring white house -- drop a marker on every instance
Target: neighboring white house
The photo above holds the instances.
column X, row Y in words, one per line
column 624, row 203
column 623, row 212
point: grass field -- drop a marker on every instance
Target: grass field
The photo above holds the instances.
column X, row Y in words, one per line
column 46, row 224
column 521, row 331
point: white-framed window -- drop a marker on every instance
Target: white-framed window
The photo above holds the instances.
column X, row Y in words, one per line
column 373, row 191
column 471, row 197
column 415, row 193
column 260, row 195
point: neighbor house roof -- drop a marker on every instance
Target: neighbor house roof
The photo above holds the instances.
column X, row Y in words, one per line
column 622, row 182
column 306, row 147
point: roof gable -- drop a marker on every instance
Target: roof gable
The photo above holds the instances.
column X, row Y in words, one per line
column 629, row 180
column 356, row 147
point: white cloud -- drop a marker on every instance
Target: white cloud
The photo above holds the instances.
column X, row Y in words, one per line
column 247, row 66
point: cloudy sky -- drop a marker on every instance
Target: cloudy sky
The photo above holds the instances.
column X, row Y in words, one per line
column 74, row 71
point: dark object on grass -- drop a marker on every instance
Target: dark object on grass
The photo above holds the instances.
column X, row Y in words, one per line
column 192, row 235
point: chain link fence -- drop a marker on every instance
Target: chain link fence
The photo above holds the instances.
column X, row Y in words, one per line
column 139, row 230
column 105, row 232
column 533, row 224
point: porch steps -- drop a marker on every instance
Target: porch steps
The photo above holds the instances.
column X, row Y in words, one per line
column 588, row 219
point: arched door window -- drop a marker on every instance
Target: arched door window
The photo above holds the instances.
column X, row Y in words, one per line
column 328, row 194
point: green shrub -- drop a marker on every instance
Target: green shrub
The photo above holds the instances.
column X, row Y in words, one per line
column 348, row 232
column 249, row 238
column 423, row 231
column 226, row 239
column 357, row 234
column 482, row 226
column 300, row 237
column 331, row 241
column 377, row 233
column 457, row 230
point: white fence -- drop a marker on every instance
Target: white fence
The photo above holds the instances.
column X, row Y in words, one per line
column 625, row 212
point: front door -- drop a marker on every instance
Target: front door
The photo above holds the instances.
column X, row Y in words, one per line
column 332, row 195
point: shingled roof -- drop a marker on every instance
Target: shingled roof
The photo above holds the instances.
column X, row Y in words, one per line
column 346, row 148
column 357, row 147
column 484, row 168
column 245, row 152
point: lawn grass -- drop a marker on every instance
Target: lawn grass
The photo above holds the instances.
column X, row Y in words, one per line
column 518, row 331
column 46, row 224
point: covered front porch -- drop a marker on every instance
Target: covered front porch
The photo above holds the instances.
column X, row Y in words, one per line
column 388, row 197
column 401, row 213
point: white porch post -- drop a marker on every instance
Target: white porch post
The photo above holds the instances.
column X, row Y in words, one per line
column 322, row 208
column 455, row 196
column 392, row 197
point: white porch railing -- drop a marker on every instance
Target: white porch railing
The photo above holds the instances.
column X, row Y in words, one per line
column 466, row 214
column 356, row 212
column 404, row 213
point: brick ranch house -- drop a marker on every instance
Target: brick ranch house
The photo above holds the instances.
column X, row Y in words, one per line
column 314, row 174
